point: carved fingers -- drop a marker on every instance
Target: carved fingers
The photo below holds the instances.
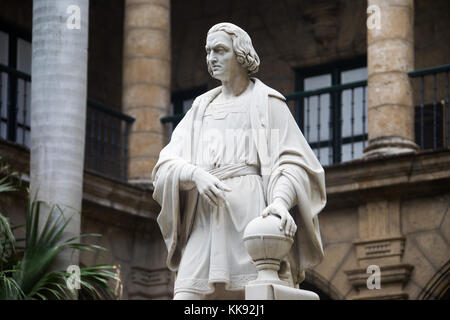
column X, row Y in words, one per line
column 211, row 188
column 287, row 223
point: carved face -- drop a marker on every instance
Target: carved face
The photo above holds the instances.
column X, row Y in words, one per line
column 220, row 56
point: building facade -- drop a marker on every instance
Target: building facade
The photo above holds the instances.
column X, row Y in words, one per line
column 367, row 82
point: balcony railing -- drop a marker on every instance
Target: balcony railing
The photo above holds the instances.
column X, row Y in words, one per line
column 333, row 120
column 107, row 130
column 432, row 112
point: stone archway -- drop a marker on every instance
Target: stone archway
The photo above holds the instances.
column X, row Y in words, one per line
column 438, row 288
column 317, row 283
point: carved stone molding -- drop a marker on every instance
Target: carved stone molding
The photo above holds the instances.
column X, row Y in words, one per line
column 380, row 251
column 150, row 284
column 392, row 280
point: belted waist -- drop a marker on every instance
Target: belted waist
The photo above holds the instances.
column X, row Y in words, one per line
column 234, row 170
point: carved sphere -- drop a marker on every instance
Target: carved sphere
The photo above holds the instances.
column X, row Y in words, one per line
column 264, row 240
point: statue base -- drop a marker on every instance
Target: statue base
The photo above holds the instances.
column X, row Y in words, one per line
column 277, row 292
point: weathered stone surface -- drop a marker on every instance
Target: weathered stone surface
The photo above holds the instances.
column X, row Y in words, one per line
column 141, row 169
column 147, row 15
column 445, row 226
column 148, row 119
column 423, row 269
column 88, row 258
column 434, row 247
column 147, row 70
column 340, row 279
column 164, row 3
column 423, row 213
column 396, row 23
column 145, row 143
column 105, row 257
column 413, row 289
column 121, row 242
column 389, row 88
column 146, row 43
column 145, row 95
column 390, row 55
column 379, row 219
column 334, row 256
column 391, row 120
column 147, row 55
column 339, row 225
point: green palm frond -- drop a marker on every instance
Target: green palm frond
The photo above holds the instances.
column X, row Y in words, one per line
column 7, row 240
column 24, row 270
column 9, row 288
column 9, row 180
column 96, row 282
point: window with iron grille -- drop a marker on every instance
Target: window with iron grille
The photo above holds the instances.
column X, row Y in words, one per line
column 331, row 109
column 15, row 84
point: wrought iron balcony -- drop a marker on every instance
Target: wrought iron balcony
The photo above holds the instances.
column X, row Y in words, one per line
column 432, row 111
column 334, row 119
column 107, row 130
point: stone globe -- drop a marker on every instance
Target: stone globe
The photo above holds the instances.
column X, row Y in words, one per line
column 267, row 245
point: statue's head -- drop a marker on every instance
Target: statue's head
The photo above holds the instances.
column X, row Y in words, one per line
column 229, row 47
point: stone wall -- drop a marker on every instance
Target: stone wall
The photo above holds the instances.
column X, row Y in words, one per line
column 391, row 212
column 426, row 226
column 285, row 34
column 294, row 34
column 431, row 33
column 135, row 243
column 105, row 52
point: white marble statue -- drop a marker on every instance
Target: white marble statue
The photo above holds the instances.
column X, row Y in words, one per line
column 237, row 154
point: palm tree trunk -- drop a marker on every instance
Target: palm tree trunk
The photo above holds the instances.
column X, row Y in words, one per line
column 58, row 110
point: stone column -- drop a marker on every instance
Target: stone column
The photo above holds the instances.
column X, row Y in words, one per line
column 390, row 55
column 58, row 113
column 146, row 82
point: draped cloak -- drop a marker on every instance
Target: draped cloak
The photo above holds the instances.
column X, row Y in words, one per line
column 282, row 151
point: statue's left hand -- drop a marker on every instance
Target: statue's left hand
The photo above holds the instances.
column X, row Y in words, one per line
column 287, row 222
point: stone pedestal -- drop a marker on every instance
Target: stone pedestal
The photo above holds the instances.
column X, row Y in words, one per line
column 267, row 246
column 277, row 292
column 146, row 82
column 390, row 55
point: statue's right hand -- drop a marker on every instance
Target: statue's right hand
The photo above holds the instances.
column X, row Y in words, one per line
column 210, row 187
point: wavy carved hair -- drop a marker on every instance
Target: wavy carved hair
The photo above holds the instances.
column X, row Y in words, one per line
column 242, row 46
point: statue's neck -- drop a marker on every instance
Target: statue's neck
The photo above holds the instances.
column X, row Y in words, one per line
column 233, row 89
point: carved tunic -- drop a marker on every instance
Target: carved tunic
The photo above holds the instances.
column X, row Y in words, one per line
column 215, row 251
column 204, row 243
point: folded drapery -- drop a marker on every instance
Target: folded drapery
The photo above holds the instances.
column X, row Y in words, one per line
column 287, row 162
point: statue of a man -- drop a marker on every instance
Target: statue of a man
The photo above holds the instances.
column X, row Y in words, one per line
column 237, row 154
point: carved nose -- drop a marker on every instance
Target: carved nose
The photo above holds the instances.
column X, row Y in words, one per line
column 212, row 58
